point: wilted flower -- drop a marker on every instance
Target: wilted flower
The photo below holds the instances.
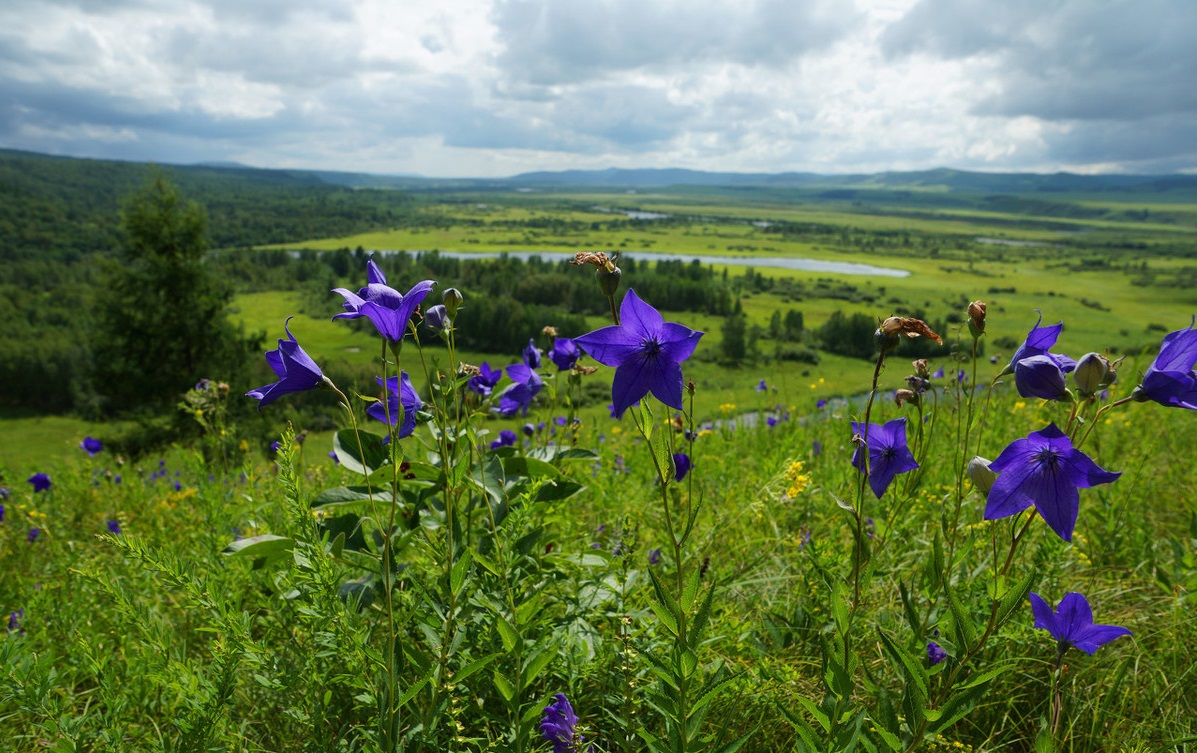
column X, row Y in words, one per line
column 935, row 653
column 1043, row 470
column 91, row 446
column 400, row 392
column 518, row 396
column 976, row 318
column 564, row 353
column 646, row 352
column 888, row 454
column 559, row 726
column 901, row 397
column 605, row 272
column 531, row 354
column 681, row 465
column 296, row 371
column 1040, row 376
column 387, row 308
column 484, row 382
column 1071, row 624
column 920, row 368
column 1170, row 380
column 888, row 334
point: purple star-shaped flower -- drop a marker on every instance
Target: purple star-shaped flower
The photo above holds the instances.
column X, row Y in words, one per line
column 1039, row 341
column 1170, row 380
column 646, row 352
column 559, row 726
column 296, row 370
column 888, row 453
column 1043, row 470
column 518, row 396
column 387, row 308
column 483, row 383
column 935, row 653
column 1071, row 624
column 564, row 353
column 400, row 392
column 91, row 446
column 40, row 481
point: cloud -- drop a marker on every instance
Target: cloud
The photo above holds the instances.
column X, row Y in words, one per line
column 550, row 42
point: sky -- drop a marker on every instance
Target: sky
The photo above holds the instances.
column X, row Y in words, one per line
column 493, row 88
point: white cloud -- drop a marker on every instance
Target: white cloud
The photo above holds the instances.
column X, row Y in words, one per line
column 494, row 87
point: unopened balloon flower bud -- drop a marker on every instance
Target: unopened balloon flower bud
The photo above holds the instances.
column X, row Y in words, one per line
column 981, row 476
column 452, row 298
column 436, row 318
column 1093, row 373
column 976, row 318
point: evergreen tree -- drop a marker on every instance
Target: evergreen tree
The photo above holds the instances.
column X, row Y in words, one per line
column 734, row 347
column 162, row 322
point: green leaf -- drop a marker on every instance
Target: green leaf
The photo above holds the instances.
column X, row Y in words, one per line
column 473, row 667
column 966, row 629
column 537, row 664
column 839, row 607
column 1015, row 597
column 358, row 497
column 529, row 468
column 890, row 739
column 461, row 568
column 665, row 617
column 507, row 633
column 268, row 546
column 364, row 459
column 504, row 686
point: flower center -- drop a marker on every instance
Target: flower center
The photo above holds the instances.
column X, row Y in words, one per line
column 651, row 348
column 1047, row 458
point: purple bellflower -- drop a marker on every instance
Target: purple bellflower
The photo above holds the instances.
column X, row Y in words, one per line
column 681, row 465
column 1039, row 341
column 518, row 396
column 1043, row 470
column 1170, row 380
column 935, row 653
column 887, row 450
column 1071, row 624
column 483, row 383
column 1040, row 376
column 114, row 526
column 761, row 387
column 91, row 446
column 387, row 308
column 506, row 439
column 400, row 392
column 559, row 726
column 40, row 481
column 33, row 534
column 531, row 354
column 646, row 351
column 296, row 371
column 435, row 318
column 564, row 353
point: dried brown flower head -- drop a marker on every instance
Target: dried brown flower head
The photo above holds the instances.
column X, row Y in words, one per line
column 549, row 331
column 909, row 326
column 597, row 258
column 976, row 317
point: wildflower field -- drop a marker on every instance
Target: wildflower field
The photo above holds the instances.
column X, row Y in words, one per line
column 957, row 553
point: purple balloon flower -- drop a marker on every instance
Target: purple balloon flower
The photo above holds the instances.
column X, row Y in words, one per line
column 1071, row 624
column 387, row 308
column 1043, row 470
column 935, row 653
column 888, row 453
column 654, row 556
column 506, row 439
column 1039, row 341
column 483, row 383
column 33, row 534
column 1170, row 380
column 559, row 726
column 681, row 465
column 531, row 354
column 518, row 396
column 114, row 526
column 40, row 481
column 296, row 371
column 400, row 392
column 564, row 353
column 1040, row 376
column 761, row 387
column 646, row 352
column 91, row 446
column 435, row 318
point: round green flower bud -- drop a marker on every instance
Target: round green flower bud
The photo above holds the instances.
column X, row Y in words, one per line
column 452, row 299
column 608, row 280
column 1092, row 373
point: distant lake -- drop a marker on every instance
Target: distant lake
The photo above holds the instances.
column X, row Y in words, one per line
column 806, row 265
